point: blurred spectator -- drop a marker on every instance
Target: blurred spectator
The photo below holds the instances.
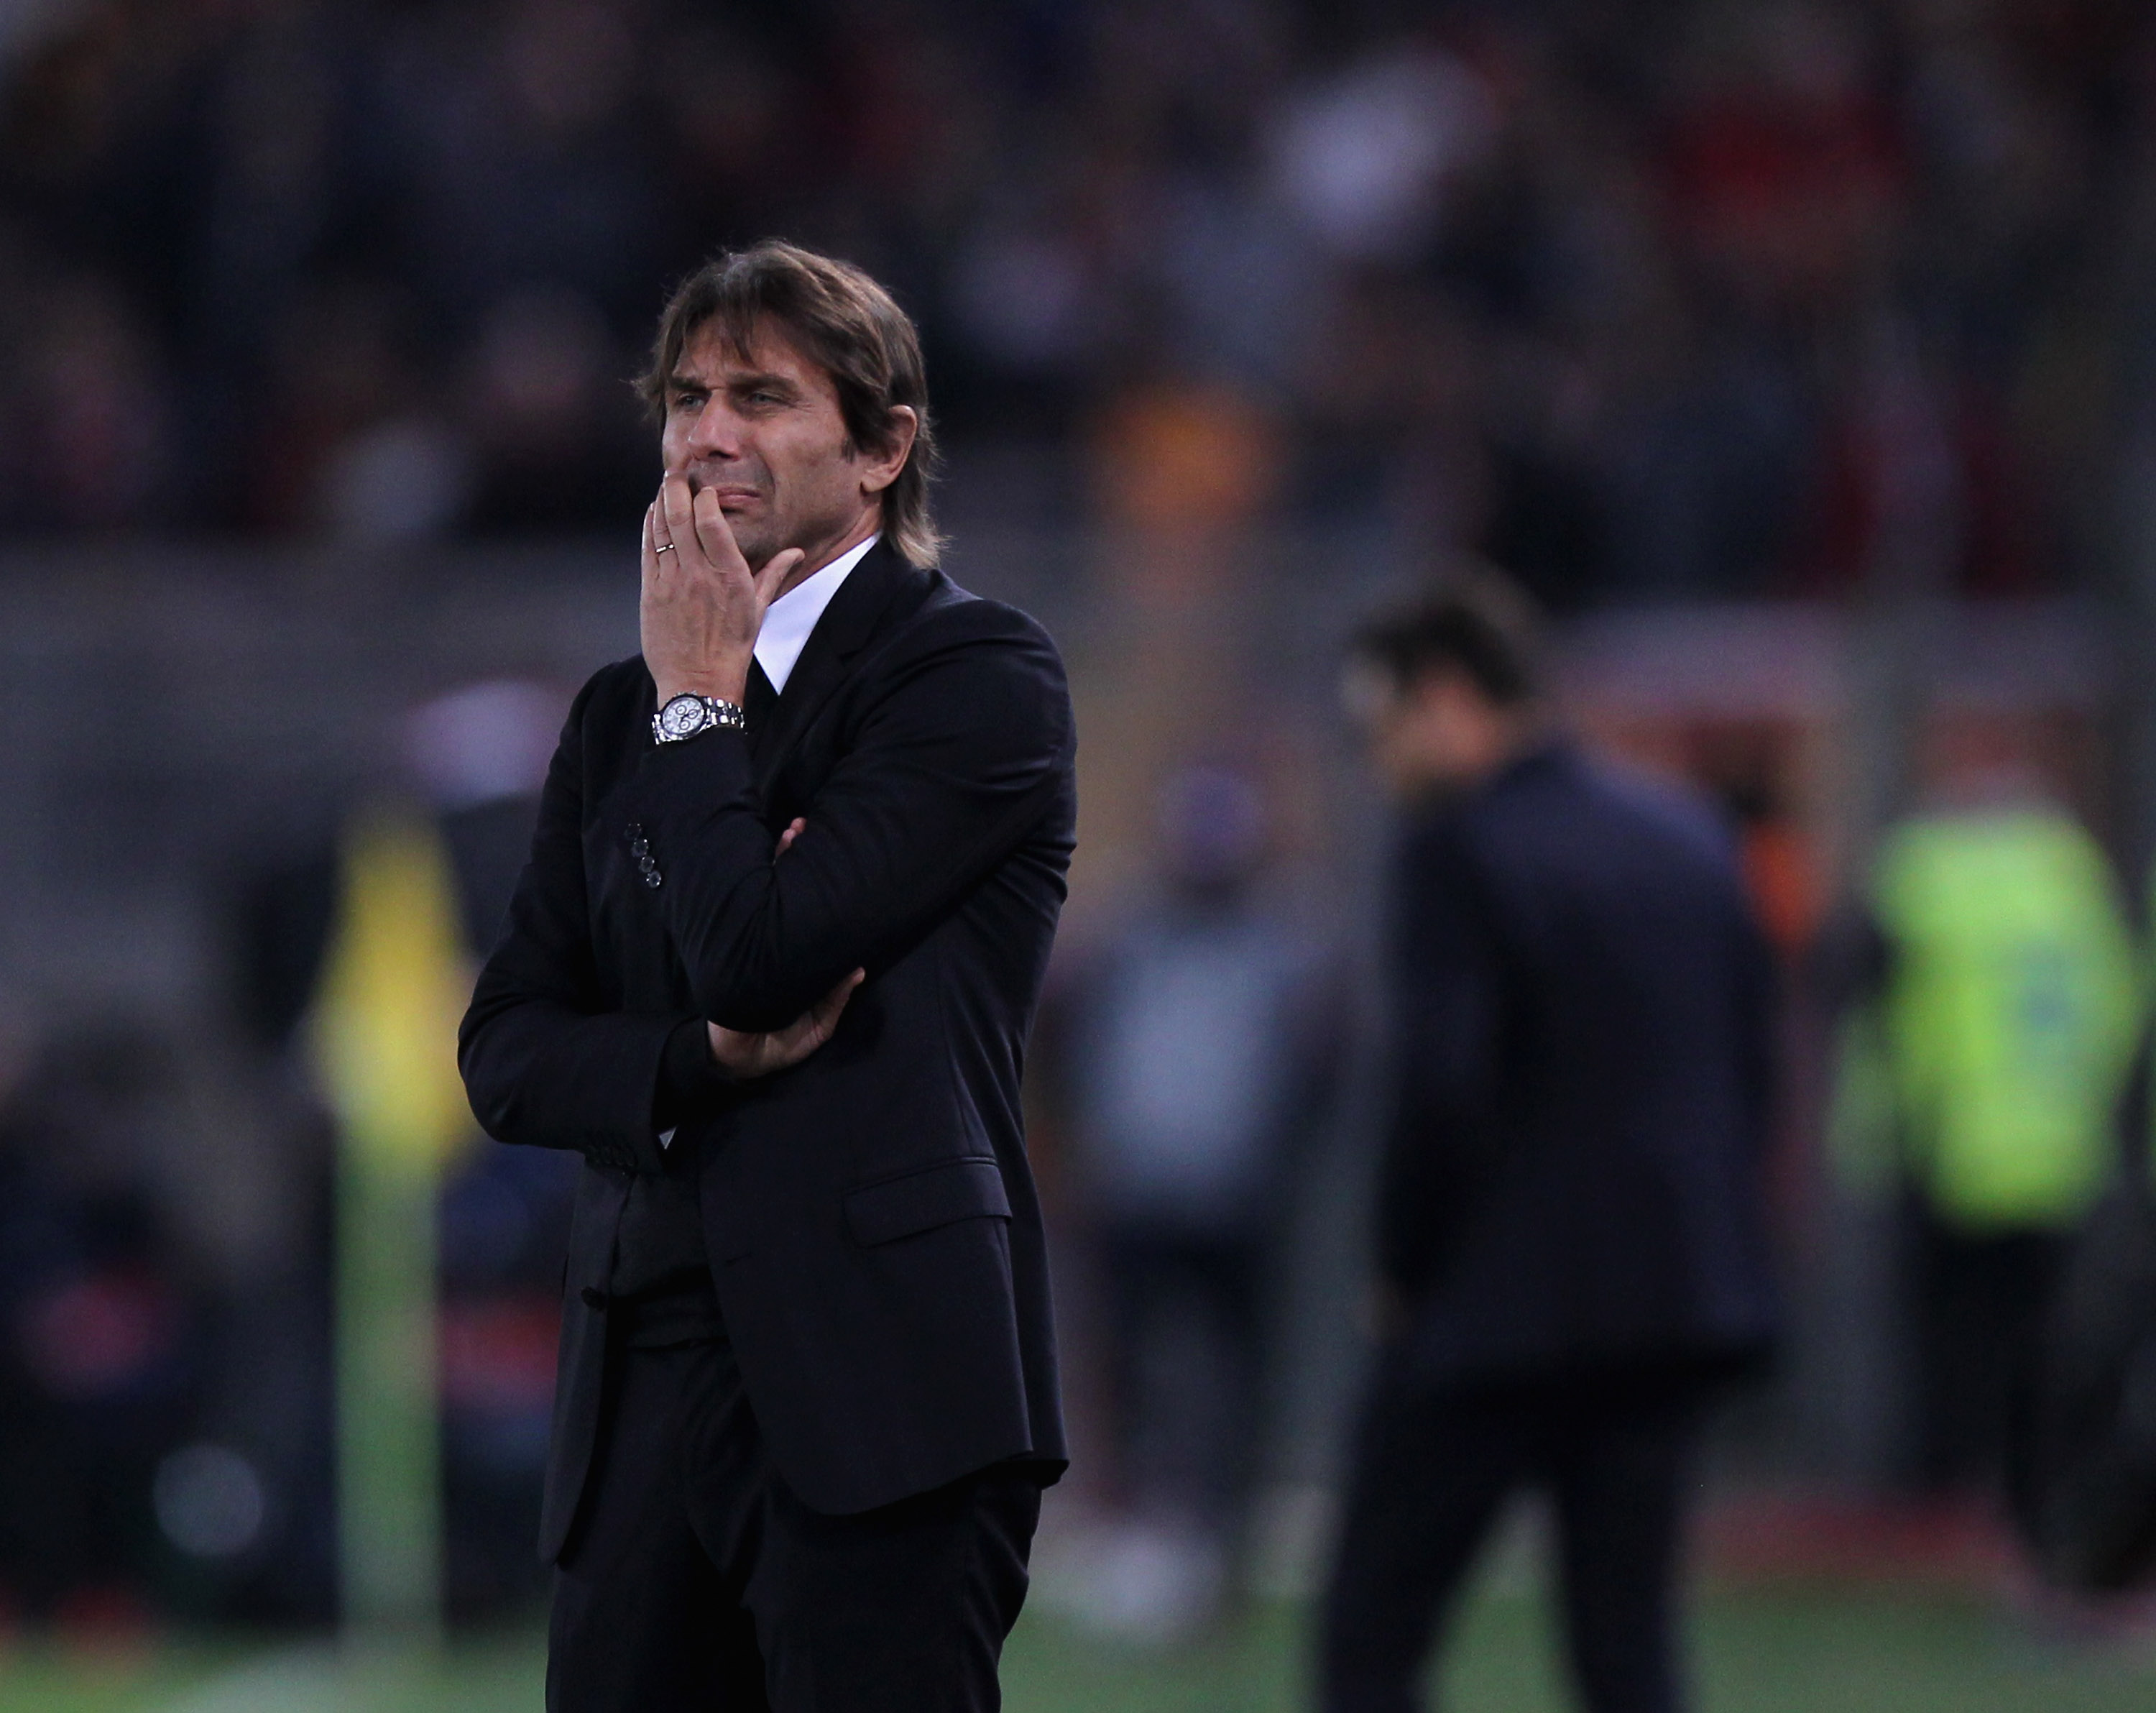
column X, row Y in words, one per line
column 1570, row 1242
column 106, row 1333
column 475, row 756
column 342, row 393
column 1745, row 766
column 2004, row 1005
column 1200, row 1045
column 98, row 418
column 556, row 434
column 479, row 754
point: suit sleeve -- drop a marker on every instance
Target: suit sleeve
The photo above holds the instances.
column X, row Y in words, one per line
column 952, row 763
column 1448, row 995
column 544, row 1061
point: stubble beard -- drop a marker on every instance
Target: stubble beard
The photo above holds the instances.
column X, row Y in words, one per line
column 756, row 542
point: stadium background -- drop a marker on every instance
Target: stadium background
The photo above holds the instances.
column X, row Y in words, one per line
column 1799, row 356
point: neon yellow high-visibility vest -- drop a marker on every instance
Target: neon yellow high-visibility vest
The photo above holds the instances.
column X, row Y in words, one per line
column 2011, row 1015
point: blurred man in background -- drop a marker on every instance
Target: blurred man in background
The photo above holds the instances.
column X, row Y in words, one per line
column 2003, row 1006
column 1570, row 1238
column 1202, row 1044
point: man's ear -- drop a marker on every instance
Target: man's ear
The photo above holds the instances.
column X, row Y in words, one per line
column 880, row 469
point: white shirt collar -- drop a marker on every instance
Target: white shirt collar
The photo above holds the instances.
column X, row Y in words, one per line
column 788, row 621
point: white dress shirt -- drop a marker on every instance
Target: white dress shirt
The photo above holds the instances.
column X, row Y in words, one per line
column 788, row 621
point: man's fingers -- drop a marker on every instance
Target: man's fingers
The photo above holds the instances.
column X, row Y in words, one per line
column 787, row 838
column 834, row 1002
column 677, row 514
column 772, row 578
column 714, row 534
column 749, row 1055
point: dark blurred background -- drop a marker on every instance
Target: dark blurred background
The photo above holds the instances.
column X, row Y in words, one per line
column 1649, row 299
column 1799, row 356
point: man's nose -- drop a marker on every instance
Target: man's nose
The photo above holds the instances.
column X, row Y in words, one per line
column 716, row 433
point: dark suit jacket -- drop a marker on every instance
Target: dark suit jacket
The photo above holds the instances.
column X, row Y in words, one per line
column 1581, row 999
column 870, row 1218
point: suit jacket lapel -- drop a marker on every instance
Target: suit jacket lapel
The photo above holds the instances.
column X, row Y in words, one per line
column 856, row 613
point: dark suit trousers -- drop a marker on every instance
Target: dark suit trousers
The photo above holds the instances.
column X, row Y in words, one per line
column 1434, row 1466
column 695, row 1579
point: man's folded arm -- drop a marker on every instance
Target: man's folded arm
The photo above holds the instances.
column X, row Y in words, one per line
column 542, row 1062
column 949, row 772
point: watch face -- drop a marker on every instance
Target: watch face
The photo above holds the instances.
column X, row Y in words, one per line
column 683, row 715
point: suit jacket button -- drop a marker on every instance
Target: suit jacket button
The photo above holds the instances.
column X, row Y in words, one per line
column 594, row 1297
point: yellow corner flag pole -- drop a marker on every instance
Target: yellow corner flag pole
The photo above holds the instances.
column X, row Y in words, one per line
column 385, row 1039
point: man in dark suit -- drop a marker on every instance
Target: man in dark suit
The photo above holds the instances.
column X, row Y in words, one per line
column 1571, row 1247
column 771, row 969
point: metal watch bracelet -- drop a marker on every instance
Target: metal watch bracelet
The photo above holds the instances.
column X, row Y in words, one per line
column 690, row 716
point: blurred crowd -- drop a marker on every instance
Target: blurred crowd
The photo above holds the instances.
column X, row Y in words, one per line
column 1671, row 297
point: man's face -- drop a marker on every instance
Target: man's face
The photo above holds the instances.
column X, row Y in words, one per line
column 762, row 429
column 1437, row 732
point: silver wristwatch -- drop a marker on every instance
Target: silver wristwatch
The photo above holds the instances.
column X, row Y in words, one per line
column 688, row 716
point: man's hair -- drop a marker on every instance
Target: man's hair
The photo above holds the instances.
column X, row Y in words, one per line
column 1472, row 621
column 847, row 325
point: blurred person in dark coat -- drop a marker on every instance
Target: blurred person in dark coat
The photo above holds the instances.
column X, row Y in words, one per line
column 1571, row 1245
column 1201, row 1042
